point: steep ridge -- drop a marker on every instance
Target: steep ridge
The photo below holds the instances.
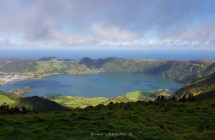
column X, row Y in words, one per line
column 202, row 88
column 181, row 71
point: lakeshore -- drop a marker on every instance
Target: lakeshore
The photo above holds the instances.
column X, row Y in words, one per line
column 6, row 78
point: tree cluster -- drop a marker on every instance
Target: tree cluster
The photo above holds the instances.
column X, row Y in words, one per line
column 6, row 109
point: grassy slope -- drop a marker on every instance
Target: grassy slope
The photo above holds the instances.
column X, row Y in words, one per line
column 34, row 103
column 16, row 65
column 50, row 66
column 6, row 100
column 82, row 102
column 199, row 87
column 39, row 104
column 54, row 103
column 79, row 102
column 59, row 66
column 140, row 120
column 139, row 96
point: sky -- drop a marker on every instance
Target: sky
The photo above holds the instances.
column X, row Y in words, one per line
column 107, row 24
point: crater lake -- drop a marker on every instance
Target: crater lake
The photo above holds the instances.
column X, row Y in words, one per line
column 93, row 85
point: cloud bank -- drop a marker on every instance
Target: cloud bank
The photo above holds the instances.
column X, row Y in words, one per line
column 107, row 23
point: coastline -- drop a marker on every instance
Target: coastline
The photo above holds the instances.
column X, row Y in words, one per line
column 19, row 78
column 22, row 76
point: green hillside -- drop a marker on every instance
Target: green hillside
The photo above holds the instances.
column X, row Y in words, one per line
column 39, row 104
column 203, row 87
column 6, row 100
column 79, row 102
column 50, row 66
column 83, row 102
column 182, row 71
column 58, row 103
column 10, row 65
column 139, row 120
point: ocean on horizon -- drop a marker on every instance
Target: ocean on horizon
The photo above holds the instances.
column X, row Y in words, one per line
column 77, row 54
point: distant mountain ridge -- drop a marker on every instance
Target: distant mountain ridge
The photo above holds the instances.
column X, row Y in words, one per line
column 182, row 71
column 98, row 63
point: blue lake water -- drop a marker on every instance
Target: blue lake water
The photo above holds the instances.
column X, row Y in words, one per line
column 93, row 85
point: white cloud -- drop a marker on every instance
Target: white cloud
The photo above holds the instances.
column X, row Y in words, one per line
column 111, row 33
column 70, row 39
column 43, row 22
column 4, row 41
column 200, row 34
column 155, row 43
column 98, row 34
